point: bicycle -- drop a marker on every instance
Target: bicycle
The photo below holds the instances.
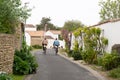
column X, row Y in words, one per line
column 44, row 48
column 56, row 49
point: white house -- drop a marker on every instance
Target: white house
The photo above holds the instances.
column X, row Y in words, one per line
column 54, row 34
column 36, row 37
column 111, row 31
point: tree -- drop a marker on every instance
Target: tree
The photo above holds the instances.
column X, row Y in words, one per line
column 72, row 25
column 46, row 21
column 11, row 13
column 64, row 34
column 110, row 9
column 68, row 27
column 91, row 42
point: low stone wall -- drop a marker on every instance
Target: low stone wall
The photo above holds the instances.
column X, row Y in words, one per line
column 6, row 52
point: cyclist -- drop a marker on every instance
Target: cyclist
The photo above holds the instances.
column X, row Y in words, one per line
column 56, row 45
column 44, row 44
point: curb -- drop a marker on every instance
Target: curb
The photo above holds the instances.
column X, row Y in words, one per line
column 95, row 73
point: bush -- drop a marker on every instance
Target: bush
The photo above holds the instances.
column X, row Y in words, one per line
column 110, row 61
column 24, row 62
column 4, row 76
column 30, row 48
column 115, row 73
column 70, row 53
column 37, row 46
column 89, row 56
column 20, row 67
column 32, row 63
column 76, row 52
column 76, row 55
column 99, row 61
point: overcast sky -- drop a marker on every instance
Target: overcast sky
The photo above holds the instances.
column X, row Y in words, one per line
column 86, row 11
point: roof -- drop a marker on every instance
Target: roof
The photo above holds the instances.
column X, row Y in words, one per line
column 49, row 37
column 108, row 21
column 36, row 33
column 29, row 26
column 55, row 31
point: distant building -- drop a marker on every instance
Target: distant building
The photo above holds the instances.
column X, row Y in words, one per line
column 30, row 27
column 54, row 34
column 34, row 37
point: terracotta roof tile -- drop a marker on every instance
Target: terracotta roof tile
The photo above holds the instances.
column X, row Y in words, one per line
column 36, row 33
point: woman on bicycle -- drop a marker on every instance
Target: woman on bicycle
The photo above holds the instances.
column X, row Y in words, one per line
column 44, row 44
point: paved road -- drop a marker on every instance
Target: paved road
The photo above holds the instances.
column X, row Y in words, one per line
column 55, row 67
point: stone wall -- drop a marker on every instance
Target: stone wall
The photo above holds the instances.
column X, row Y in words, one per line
column 8, row 44
column 6, row 52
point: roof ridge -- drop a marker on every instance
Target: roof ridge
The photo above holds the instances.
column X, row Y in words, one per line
column 107, row 21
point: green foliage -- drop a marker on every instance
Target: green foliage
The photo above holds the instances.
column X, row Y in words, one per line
column 89, row 55
column 78, row 32
column 72, row 25
column 99, row 61
column 92, row 42
column 104, row 41
column 76, row 55
column 115, row 73
column 37, row 46
column 76, row 52
column 20, row 67
column 70, row 53
column 67, row 48
column 24, row 62
column 17, row 77
column 30, row 48
column 46, row 22
column 60, row 37
column 109, row 9
column 11, row 13
column 4, row 76
column 110, row 61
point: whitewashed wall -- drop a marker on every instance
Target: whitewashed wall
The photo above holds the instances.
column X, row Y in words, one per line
column 50, row 43
column 51, row 34
column 28, row 39
column 72, row 42
column 112, row 33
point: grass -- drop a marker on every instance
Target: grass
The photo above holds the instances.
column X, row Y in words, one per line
column 115, row 73
column 17, row 77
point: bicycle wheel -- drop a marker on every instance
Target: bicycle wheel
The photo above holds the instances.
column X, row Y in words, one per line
column 56, row 50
